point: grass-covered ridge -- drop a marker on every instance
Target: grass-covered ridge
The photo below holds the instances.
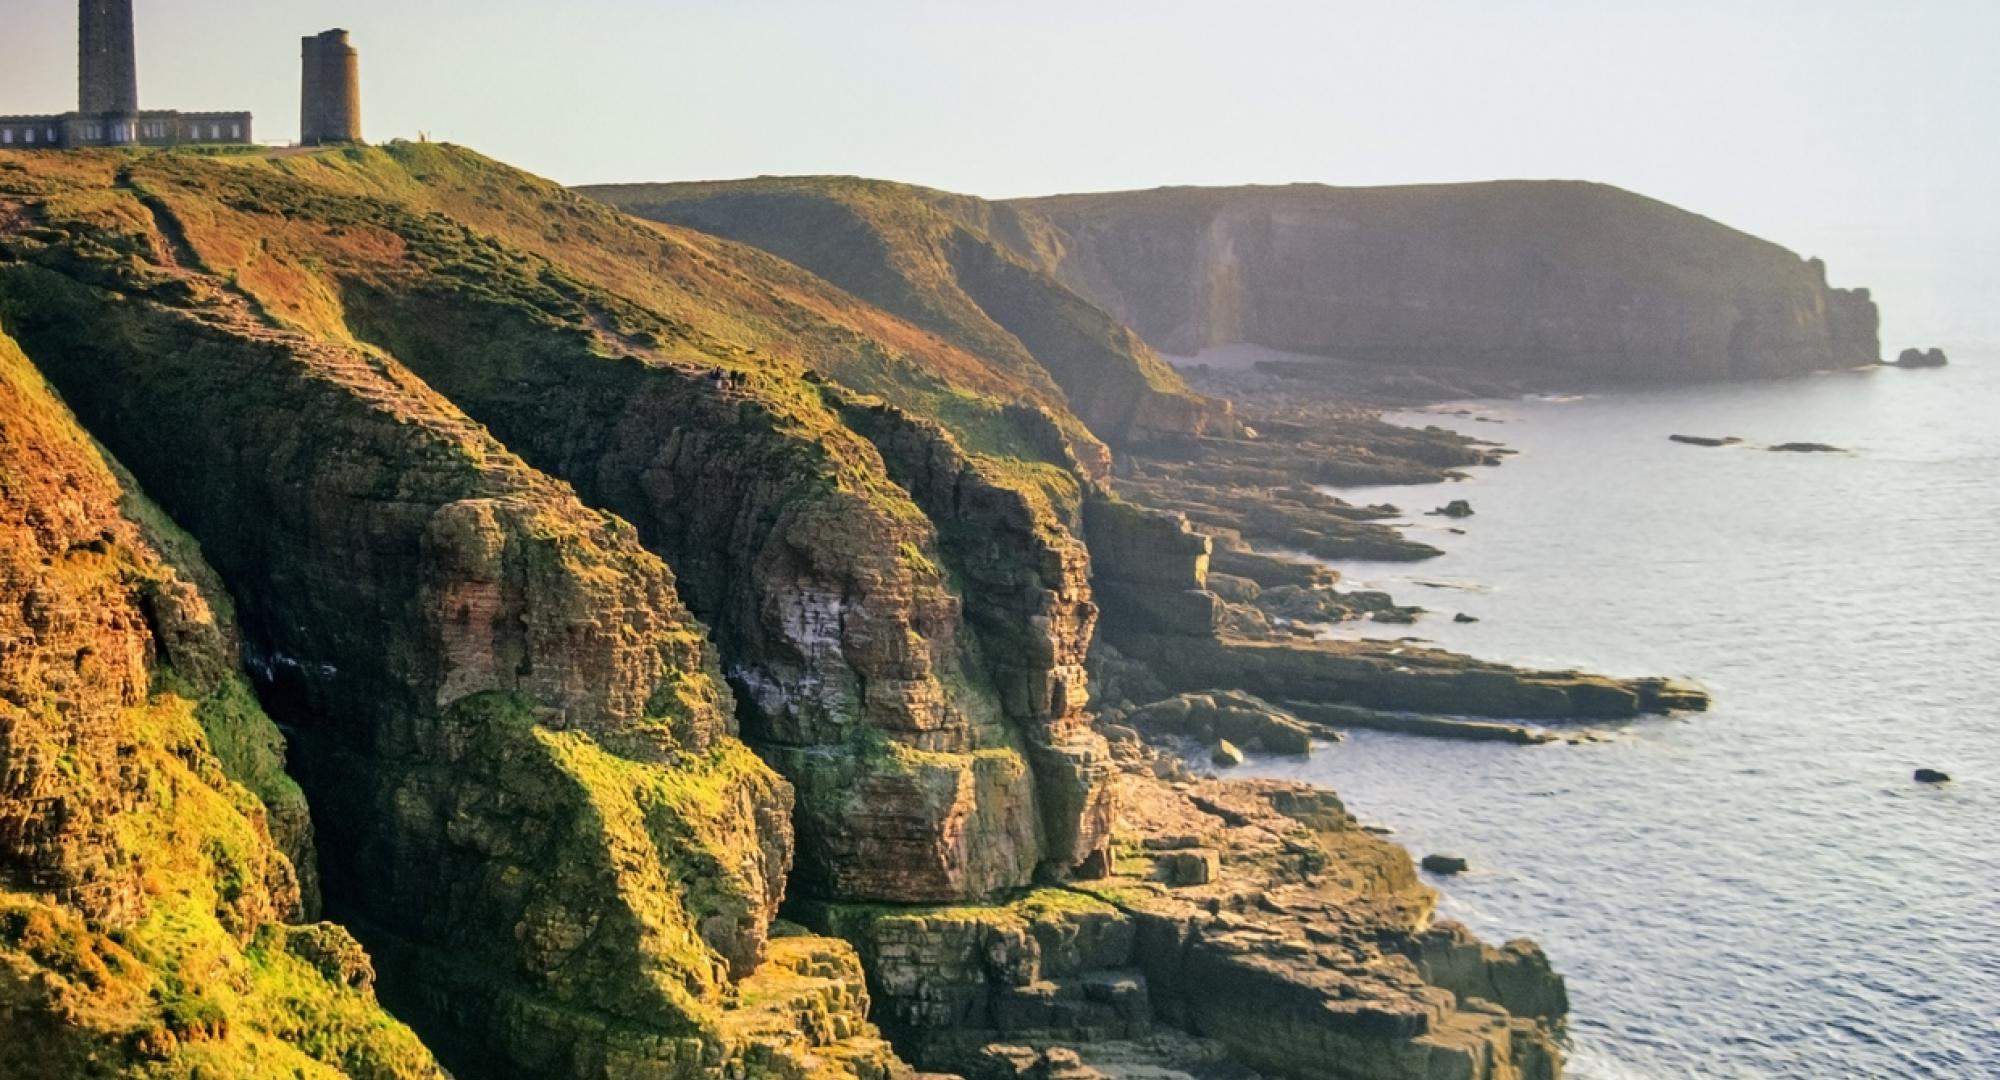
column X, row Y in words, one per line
column 946, row 263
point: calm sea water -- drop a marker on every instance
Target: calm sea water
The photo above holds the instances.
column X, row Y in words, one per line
column 1760, row 891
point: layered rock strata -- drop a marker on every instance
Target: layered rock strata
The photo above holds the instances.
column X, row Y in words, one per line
column 1301, row 946
column 1189, row 649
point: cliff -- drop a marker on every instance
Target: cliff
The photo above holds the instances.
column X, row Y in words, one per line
column 150, row 902
column 1552, row 281
column 940, row 261
column 615, row 586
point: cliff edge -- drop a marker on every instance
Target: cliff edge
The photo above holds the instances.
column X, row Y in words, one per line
column 1552, row 281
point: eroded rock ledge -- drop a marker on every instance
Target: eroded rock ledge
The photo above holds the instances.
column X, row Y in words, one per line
column 1247, row 924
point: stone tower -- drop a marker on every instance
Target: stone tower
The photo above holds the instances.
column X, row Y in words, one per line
column 108, row 67
column 330, row 101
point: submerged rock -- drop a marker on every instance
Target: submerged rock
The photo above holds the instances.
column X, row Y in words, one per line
column 1806, row 448
column 1921, row 358
column 1705, row 440
column 1932, row 776
column 1457, row 508
column 1446, row 864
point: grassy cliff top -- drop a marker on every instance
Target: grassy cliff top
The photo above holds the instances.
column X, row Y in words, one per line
column 1569, row 221
column 972, row 271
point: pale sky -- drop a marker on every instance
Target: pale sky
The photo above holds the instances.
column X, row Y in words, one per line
column 1863, row 131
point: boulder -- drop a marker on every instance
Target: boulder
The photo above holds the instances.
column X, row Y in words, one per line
column 1182, row 869
column 1806, row 448
column 1446, row 864
column 1921, row 358
column 1462, row 618
column 1932, row 776
column 1226, row 755
column 1227, row 715
column 1457, row 508
column 1236, row 590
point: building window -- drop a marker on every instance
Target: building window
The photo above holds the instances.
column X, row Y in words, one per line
column 52, row 134
column 236, row 131
column 215, row 131
column 7, row 136
column 30, row 134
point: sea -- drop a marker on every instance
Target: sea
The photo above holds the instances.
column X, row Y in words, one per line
column 1762, row 890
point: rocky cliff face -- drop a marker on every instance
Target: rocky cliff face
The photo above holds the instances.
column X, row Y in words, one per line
column 617, row 584
column 514, row 737
column 1564, row 282
column 148, row 892
column 821, row 574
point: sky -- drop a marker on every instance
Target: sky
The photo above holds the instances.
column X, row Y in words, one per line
column 1866, row 132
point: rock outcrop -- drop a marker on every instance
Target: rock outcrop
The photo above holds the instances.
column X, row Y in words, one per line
column 1193, row 655
column 1562, row 283
column 1302, row 946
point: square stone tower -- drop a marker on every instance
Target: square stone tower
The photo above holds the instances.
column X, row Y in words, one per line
column 330, row 97
column 108, row 67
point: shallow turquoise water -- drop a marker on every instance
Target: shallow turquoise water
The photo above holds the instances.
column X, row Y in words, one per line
column 1760, row 891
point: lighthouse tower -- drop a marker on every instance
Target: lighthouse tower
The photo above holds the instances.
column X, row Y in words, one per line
column 330, row 98
column 108, row 69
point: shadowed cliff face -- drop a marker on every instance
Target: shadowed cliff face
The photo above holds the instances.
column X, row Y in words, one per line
column 147, row 828
column 1559, row 281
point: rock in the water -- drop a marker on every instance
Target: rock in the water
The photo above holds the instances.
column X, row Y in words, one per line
column 1922, row 358
column 1457, row 508
column 1705, row 440
column 1807, row 448
column 1462, row 617
column 1445, row 864
column 1932, row 776
column 1226, row 754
